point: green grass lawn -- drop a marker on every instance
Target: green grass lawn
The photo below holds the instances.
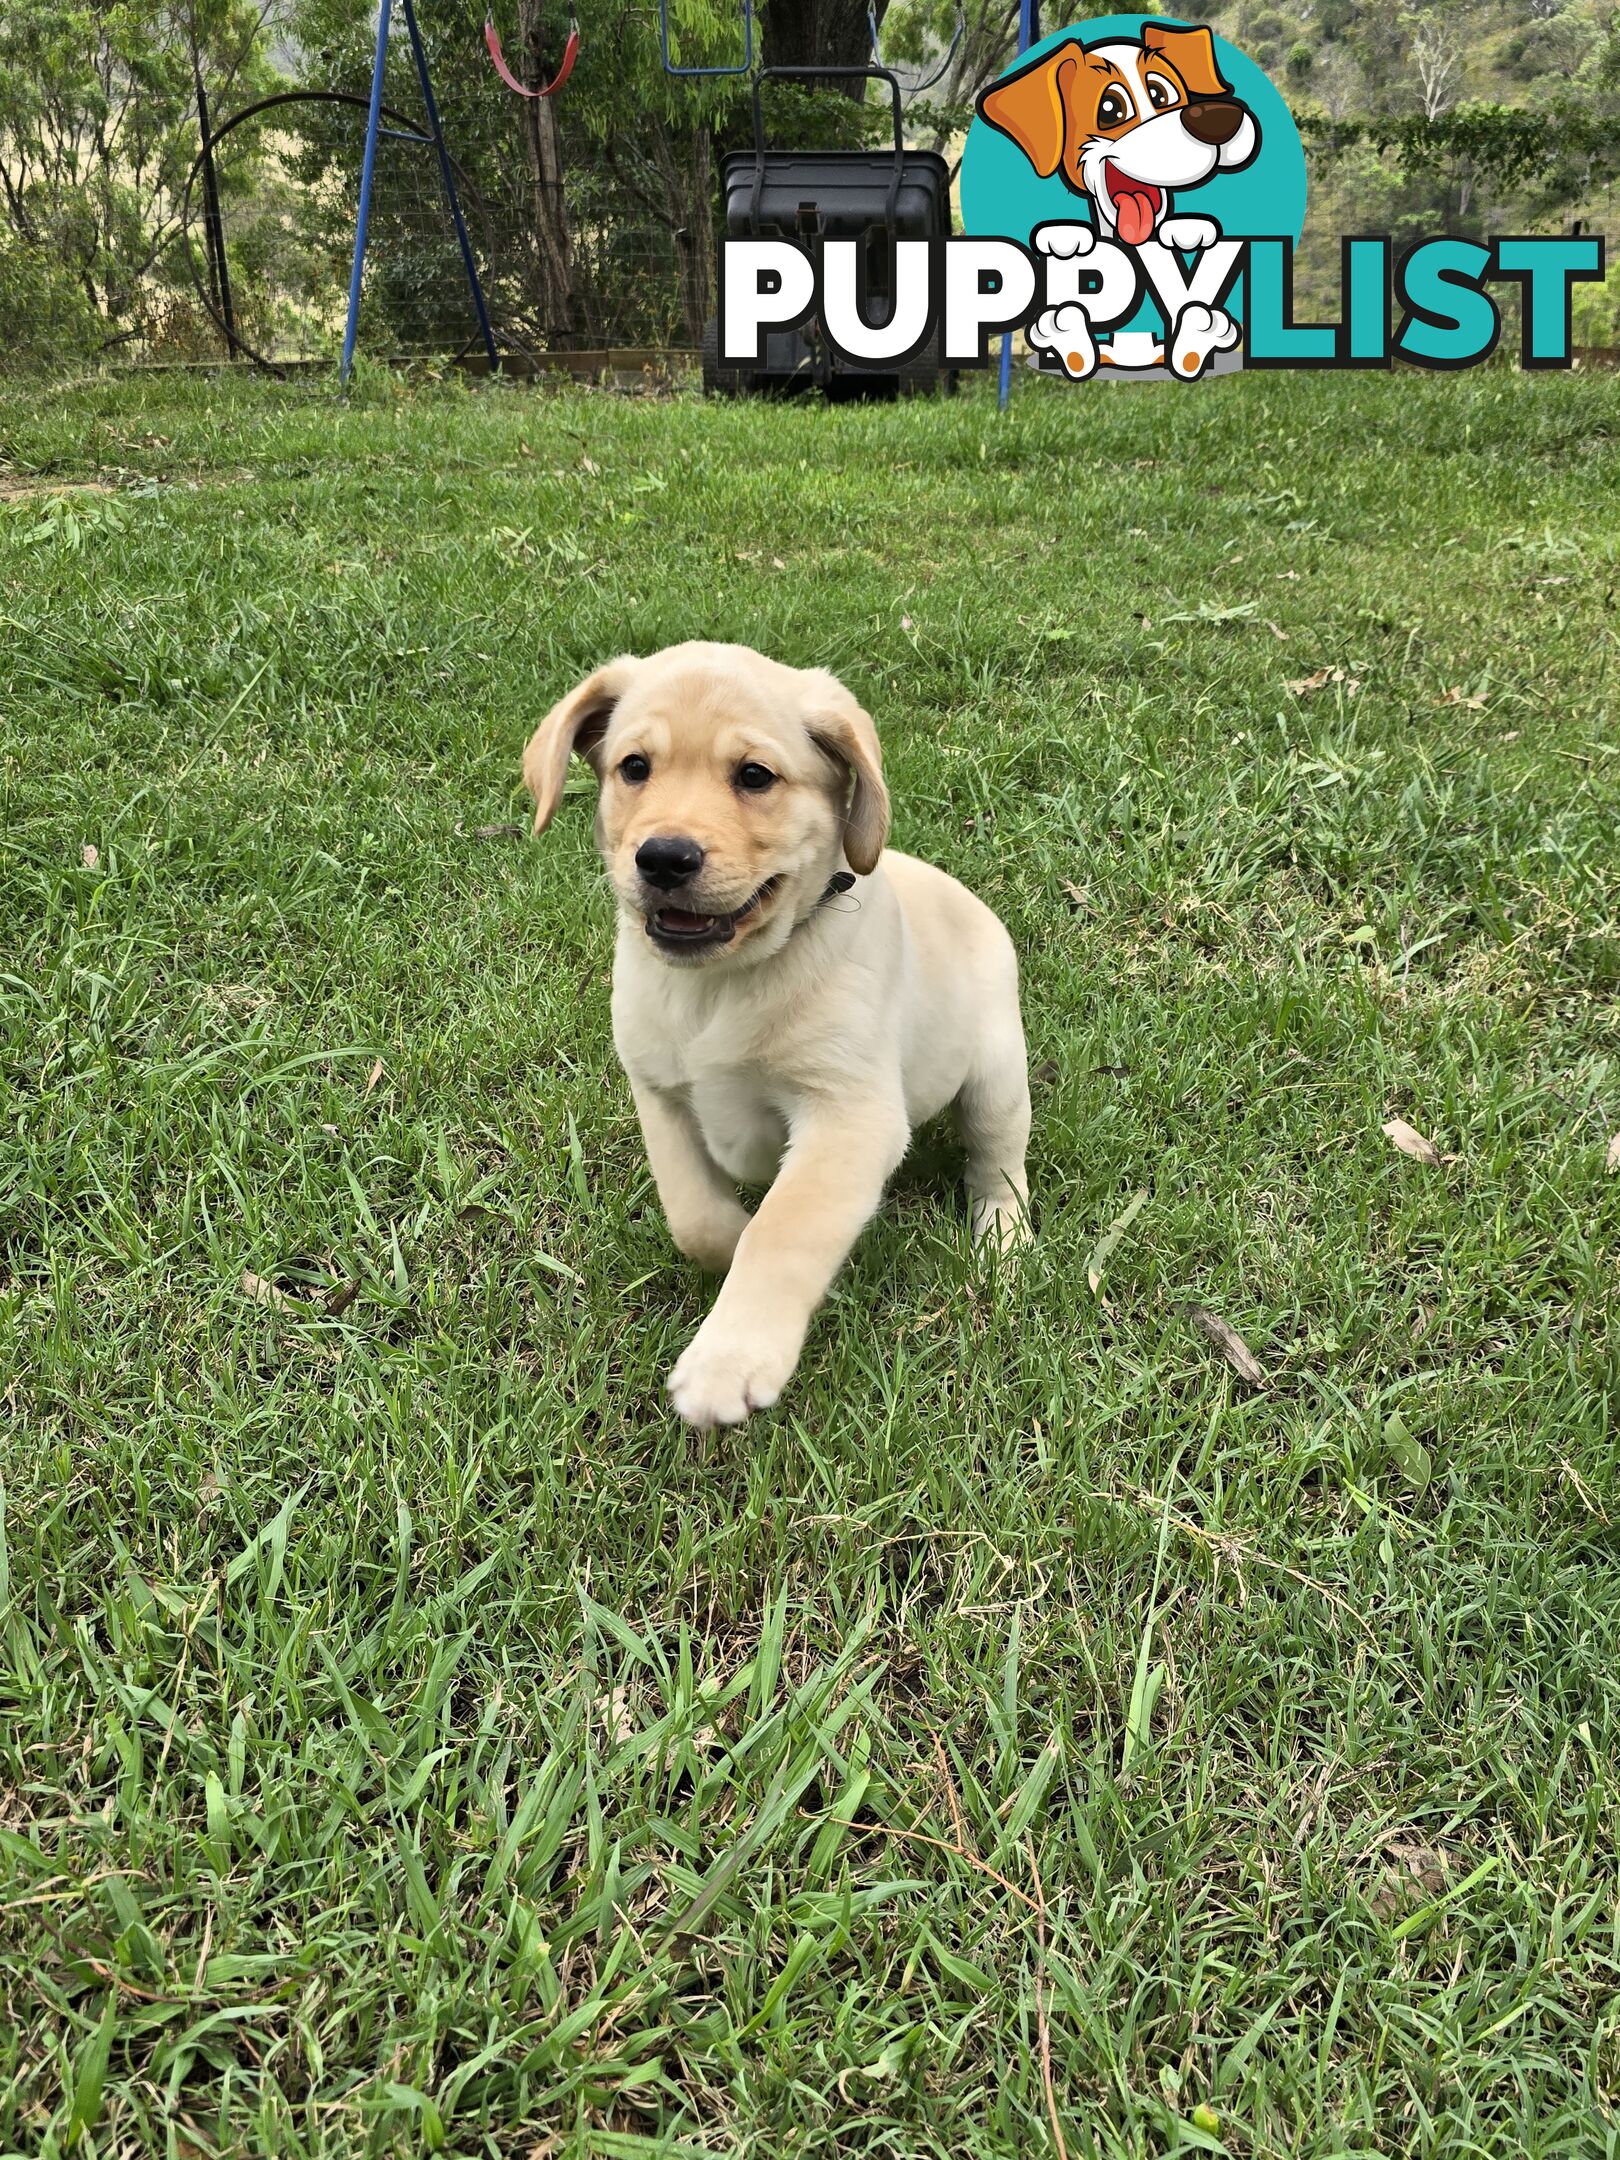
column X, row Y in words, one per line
column 1032, row 1737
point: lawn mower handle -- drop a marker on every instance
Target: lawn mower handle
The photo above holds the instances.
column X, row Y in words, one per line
column 879, row 74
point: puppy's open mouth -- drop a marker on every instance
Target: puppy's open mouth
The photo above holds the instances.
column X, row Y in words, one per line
column 1137, row 204
column 683, row 930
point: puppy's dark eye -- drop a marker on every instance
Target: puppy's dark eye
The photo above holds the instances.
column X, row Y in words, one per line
column 1160, row 94
column 634, row 768
column 755, row 779
column 1112, row 110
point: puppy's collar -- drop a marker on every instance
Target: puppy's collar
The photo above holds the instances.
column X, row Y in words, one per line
column 839, row 882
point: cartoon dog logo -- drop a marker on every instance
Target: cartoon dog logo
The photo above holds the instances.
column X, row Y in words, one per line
column 1127, row 124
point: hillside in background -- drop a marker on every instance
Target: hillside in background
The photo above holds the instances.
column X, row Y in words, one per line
column 1514, row 102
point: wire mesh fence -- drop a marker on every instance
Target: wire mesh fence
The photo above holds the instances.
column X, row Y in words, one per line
column 270, row 282
column 287, row 178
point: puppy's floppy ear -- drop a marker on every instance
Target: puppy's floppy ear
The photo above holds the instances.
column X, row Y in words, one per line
column 1192, row 54
column 578, row 723
column 844, row 730
column 1029, row 107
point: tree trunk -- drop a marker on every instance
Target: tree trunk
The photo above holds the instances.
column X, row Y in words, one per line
column 553, row 252
column 821, row 33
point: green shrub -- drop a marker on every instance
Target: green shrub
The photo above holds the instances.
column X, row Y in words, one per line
column 46, row 320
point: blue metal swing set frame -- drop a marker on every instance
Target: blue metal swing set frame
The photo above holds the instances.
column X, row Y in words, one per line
column 433, row 137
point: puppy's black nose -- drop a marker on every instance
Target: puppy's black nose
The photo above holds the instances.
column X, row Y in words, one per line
column 1213, row 120
column 667, row 862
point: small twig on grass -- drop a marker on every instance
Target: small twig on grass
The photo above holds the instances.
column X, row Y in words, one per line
column 202, row 1955
column 921, row 1837
column 122, row 1982
column 1042, row 2024
column 1236, row 1550
column 955, row 1805
column 179, row 1683
column 76, row 1886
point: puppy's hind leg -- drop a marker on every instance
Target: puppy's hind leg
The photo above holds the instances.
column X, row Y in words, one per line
column 992, row 1114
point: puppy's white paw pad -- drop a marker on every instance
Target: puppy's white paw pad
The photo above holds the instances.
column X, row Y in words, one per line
column 720, row 1382
column 1189, row 233
column 1064, row 240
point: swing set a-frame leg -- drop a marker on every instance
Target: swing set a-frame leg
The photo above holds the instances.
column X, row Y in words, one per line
column 435, row 136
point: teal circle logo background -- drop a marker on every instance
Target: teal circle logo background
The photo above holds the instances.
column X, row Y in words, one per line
column 1001, row 192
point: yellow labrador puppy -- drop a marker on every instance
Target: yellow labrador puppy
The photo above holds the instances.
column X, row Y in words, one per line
column 774, row 1032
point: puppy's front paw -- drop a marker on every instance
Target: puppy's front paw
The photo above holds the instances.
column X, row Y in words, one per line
column 1002, row 1227
column 720, row 1377
column 1064, row 239
column 1188, row 234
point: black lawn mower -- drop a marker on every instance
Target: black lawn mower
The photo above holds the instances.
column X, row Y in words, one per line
column 875, row 197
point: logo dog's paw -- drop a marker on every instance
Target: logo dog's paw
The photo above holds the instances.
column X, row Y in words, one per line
column 1201, row 332
column 718, row 1378
column 1188, row 233
column 1066, row 331
column 1063, row 240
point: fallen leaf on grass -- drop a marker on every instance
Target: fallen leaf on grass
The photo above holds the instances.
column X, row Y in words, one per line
column 1280, row 635
column 1411, row 1142
column 1104, row 1246
column 1454, row 696
column 1076, row 898
column 376, row 1074
column 1210, row 611
column 89, row 855
column 1416, row 1874
column 1410, row 1457
column 1229, row 1343
column 588, row 464
column 1611, row 1161
column 305, row 1298
column 1303, row 685
column 615, row 1714
column 506, row 831
column 264, row 1292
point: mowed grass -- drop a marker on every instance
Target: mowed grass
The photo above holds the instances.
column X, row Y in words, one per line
column 1031, row 1737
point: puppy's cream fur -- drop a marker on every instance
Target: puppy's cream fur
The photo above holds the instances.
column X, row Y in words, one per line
column 799, row 1051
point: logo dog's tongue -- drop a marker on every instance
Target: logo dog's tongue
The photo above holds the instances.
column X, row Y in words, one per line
column 1133, row 207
